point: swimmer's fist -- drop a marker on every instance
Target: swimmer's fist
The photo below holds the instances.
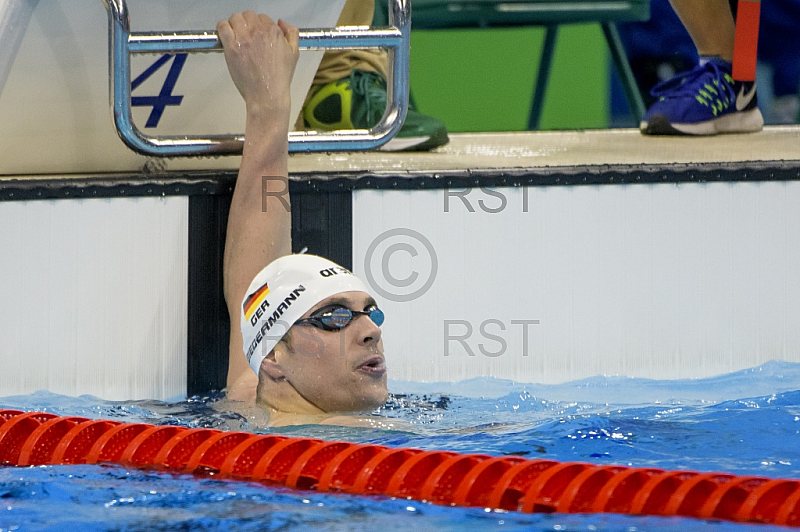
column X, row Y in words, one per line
column 261, row 57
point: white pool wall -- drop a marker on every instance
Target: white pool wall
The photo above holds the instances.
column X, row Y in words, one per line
column 662, row 281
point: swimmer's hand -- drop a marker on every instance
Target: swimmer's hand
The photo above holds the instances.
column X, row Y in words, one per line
column 261, row 57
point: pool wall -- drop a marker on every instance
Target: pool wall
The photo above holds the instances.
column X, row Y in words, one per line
column 550, row 256
column 659, row 270
column 552, row 284
column 94, row 296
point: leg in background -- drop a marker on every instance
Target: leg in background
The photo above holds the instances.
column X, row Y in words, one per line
column 710, row 25
column 338, row 64
column 706, row 100
column 349, row 92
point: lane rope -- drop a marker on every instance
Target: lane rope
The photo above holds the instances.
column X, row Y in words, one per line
column 440, row 477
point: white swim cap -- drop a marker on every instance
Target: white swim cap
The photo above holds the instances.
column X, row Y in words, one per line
column 281, row 293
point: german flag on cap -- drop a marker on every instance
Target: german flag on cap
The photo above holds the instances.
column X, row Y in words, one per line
column 254, row 300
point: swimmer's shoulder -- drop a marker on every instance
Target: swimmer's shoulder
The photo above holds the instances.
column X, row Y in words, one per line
column 258, row 416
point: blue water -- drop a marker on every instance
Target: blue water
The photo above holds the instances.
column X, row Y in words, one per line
column 744, row 423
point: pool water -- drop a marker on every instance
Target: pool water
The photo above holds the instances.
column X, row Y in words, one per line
column 745, row 423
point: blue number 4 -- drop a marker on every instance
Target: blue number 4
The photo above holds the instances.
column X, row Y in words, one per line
column 165, row 97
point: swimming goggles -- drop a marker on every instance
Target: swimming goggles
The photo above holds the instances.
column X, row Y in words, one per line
column 337, row 317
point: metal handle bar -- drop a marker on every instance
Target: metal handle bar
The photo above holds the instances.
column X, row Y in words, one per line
column 122, row 43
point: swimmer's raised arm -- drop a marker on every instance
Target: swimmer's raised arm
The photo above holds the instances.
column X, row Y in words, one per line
column 261, row 57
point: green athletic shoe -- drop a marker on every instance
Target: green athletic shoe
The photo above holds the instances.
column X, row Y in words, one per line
column 358, row 102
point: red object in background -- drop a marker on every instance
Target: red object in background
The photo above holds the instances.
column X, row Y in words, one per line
column 745, row 44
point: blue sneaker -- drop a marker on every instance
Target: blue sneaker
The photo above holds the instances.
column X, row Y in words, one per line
column 703, row 101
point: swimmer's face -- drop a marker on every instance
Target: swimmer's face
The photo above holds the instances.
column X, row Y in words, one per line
column 342, row 370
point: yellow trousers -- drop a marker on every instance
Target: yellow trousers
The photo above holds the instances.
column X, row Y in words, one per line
column 338, row 64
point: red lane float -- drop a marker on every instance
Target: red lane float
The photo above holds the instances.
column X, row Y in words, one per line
column 508, row 483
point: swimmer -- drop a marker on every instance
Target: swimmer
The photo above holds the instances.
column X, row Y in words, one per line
column 305, row 339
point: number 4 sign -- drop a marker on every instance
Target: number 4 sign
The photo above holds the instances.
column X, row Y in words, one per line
column 165, row 97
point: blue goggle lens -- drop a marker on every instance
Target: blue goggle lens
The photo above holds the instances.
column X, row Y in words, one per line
column 377, row 316
column 341, row 317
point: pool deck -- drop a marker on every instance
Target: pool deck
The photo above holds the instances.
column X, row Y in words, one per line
column 616, row 147
column 531, row 152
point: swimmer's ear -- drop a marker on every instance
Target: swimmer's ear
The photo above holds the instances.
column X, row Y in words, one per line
column 271, row 367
